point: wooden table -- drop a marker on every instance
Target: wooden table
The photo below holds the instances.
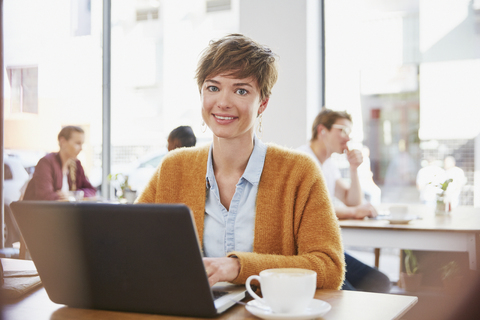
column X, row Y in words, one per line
column 459, row 231
column 345, row 305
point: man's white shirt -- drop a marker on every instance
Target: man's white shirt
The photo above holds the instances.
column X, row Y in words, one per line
column 329, row 169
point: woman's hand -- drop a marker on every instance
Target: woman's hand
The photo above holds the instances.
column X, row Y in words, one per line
column 62, row 195
column 221, row 269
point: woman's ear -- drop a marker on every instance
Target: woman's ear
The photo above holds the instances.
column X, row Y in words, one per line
column 263, row 106
column 61, row 141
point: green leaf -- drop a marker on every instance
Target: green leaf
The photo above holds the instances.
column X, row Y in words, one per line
column 411, row 264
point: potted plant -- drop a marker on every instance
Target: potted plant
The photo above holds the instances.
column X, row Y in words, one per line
column 410, row 280
column 127, row 194
column 451, row 277
column 441, row 207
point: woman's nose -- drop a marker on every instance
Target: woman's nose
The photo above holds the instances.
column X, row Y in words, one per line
column 224, row 100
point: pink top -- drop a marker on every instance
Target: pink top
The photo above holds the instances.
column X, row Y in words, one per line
column 47, row 180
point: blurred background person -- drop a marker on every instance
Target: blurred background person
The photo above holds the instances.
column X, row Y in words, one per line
column 458, row 180
column 58, row 173
column 182, row 136
column 330, row 133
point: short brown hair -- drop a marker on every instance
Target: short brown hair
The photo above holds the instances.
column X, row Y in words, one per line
column 327, row 118
column 241, row 57
column 66, row 132
column 185, row 135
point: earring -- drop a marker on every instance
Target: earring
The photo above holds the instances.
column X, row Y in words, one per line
column 204, row 127
column 259, row 128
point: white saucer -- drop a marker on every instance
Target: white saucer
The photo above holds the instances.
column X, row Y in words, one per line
column 403, row 220
column 399, row 221
column 317, row 308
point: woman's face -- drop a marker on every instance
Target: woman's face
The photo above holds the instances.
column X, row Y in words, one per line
column 230, row 106
column 72, row 147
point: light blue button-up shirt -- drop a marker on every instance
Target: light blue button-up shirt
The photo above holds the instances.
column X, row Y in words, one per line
column 226, row 231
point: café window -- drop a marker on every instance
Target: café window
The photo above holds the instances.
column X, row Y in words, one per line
column 145, row 14
column 414, row 62
column 81, row 17
column 218, row 5
column 24, row 89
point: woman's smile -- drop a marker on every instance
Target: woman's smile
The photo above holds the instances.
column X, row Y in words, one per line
column 223, row 117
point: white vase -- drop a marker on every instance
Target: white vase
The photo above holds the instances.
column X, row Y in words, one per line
column 130, row 195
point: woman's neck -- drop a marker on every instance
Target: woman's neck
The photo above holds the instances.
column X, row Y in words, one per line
column 65, row 161
column 231, row 155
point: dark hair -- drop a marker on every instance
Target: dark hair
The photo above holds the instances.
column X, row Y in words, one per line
column 185, row 135
column 66, row 132
column 327, row 118
column 241, row 57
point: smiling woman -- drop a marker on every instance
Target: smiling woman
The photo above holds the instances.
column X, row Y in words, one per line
column 264, row 206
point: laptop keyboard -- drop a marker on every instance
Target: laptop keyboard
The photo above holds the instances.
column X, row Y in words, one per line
column 218, row 294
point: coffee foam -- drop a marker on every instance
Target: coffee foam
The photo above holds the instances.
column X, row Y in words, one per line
column 287, row 272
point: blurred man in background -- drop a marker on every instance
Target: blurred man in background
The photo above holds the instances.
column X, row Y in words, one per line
column 330, row 133
column 182, row 136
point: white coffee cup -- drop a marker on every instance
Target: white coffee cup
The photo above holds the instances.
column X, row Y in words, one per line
column 285, row 290
column 398, row 212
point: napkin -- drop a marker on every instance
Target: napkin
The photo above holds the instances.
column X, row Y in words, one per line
column 18, row 283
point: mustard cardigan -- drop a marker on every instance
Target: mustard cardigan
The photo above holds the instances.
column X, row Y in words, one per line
column 295, row 224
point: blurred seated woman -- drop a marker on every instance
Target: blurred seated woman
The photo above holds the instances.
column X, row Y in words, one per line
column 58, row 173
column 256, row 206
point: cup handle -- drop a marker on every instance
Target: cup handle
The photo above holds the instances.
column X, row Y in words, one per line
column 250, row 291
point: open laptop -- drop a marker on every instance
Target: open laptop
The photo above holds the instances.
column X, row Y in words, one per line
column 138, row 258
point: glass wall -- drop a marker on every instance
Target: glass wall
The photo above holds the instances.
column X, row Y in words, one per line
column 53, row 76
column 155, row 48
column 408, row 72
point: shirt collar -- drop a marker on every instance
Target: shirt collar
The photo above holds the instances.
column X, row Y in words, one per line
column 254, row 168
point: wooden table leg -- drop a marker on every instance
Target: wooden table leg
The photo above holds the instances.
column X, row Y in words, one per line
column 377, row 257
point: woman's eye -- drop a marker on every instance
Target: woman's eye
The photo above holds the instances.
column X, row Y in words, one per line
column 212, row 88
column 242, row 92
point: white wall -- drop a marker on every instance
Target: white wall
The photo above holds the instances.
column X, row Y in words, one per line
column 188, row 29
column 282, row 26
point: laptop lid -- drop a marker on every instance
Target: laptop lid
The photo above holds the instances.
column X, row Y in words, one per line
column 139, row 258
